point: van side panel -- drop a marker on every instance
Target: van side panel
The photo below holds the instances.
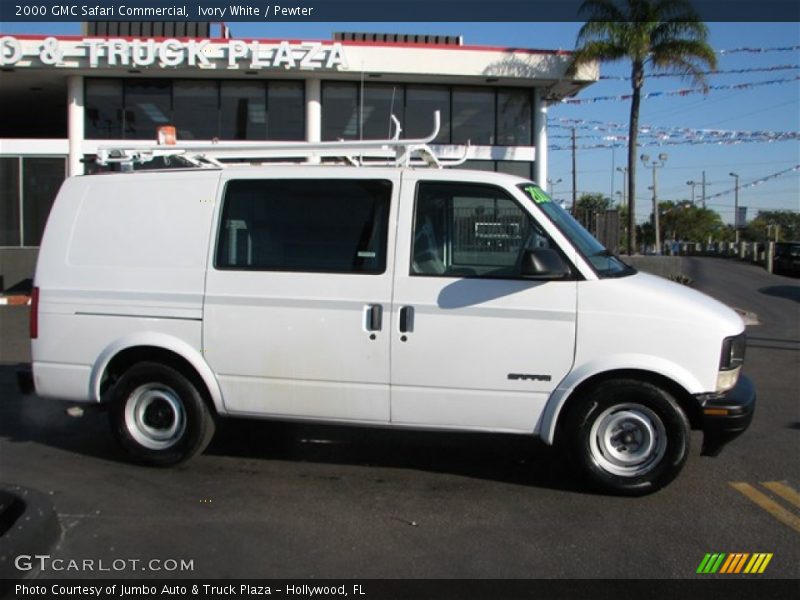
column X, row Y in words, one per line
column 120, row 255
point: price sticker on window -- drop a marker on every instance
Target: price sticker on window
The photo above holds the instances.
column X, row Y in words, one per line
column 538, row 195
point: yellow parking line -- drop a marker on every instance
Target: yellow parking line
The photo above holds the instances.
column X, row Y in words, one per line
column 783, row 490
column 768, row 504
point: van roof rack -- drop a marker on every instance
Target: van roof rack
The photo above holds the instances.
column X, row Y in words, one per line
column 389, row 152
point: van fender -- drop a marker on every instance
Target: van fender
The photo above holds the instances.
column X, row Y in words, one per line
column 617, row 362
column 165, row 342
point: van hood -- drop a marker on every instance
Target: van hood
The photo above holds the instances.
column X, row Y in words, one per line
column 648, row 295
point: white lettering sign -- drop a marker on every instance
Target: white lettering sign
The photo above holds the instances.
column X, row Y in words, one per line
column 171, row 53
column 10, row 51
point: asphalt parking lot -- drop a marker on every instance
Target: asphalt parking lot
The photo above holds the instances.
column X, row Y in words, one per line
column 273, row 500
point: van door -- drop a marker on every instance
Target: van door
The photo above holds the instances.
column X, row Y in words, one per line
column 298, row 293
column 475, row 345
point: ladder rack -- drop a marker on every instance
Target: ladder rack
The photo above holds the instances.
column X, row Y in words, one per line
column 389, row 152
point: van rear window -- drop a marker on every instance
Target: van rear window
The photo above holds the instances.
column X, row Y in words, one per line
column 311, row 225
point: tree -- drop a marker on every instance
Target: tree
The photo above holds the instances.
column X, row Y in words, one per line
column 786, row 222
column 664, row 35
column 592, row 203
column 684, row 221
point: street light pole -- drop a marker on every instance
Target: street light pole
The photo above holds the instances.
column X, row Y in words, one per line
column 655, row 164
column 692, row 183
column 624, row 171
column 735, row 209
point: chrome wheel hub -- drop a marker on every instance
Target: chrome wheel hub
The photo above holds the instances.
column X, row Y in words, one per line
column 154, row 416
column 628, row 440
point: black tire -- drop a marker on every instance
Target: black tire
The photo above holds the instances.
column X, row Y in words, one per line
column 159, row 416
column 628, row 437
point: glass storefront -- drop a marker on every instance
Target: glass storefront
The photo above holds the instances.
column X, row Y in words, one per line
column 479, row 115
column 275, row 110
column 28, row 187
column 200, row 110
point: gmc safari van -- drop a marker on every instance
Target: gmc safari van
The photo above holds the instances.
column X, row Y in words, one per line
column 392, row 296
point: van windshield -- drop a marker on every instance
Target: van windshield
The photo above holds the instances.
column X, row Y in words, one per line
column 604, row 263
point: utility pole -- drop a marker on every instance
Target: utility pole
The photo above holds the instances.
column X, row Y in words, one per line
column 735, row 209
column 551, row 187
column 574, row 178
column 655, row 164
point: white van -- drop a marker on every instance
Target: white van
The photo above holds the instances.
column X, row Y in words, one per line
column 391, row 296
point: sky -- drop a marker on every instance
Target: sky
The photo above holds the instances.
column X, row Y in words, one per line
column 773, row 107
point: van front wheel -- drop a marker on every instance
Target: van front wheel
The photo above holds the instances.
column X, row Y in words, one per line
column 159, row 416
column 629, row 437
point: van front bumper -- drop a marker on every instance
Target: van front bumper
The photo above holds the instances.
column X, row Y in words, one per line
column 726, row 416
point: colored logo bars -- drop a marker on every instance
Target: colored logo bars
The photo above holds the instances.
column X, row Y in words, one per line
column 734, row 563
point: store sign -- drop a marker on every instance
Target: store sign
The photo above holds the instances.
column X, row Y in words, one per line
column 204, row 54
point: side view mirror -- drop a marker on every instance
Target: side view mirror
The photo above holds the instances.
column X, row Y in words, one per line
column 543, row 263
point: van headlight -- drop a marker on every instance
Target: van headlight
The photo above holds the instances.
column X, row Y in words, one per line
column 730, row 362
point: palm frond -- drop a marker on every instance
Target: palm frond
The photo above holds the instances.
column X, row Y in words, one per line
column 675, row 29
column 687, row 57
column 595, row 51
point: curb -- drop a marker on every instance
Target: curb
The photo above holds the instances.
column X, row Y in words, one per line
column 28, row 525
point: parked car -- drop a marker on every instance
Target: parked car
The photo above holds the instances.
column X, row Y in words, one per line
column 390, row 296
column 787, row 258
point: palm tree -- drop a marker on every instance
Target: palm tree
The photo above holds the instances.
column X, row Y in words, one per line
column 664, row 35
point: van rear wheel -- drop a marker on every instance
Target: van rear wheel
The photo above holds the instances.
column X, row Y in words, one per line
column 629, row 437
column 159, row 416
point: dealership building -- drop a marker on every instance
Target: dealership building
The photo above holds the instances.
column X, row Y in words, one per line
column 63, row 96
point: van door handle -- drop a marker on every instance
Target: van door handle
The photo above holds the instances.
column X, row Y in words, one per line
column 374, row 320
column 407, row 319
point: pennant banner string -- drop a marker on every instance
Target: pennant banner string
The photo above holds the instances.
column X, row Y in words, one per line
column 759, row 50
column 683, row 92
column 720, row 72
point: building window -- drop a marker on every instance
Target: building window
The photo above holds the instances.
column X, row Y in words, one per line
column 9, row 201
column 243, row 111
column 381, row 101
column 421, row 102
column 40, row 178
column 286, row 115
column 519, row 168
column 514, row 118
column 324, row 225
column 148, row 106
column 473, row 116
column 339, row 111
column 515, row 167
column 199, row 110
column 103, row 109
column 195, row 109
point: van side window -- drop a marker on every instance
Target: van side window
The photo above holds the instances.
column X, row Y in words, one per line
column 471, row 230
column 314, row 225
